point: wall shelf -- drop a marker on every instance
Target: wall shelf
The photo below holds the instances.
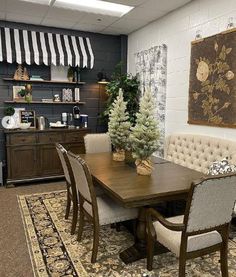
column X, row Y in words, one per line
column 43, row 81
column 46, row 103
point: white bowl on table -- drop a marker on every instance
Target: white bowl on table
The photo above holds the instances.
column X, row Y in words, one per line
column 25, row 125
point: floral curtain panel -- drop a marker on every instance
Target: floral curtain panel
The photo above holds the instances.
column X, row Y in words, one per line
column 151, row 68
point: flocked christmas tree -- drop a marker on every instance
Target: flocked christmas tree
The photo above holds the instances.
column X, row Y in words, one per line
column 145, row 134
column 119, row 127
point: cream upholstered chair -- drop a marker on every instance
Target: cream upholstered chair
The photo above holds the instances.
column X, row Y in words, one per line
column 100, row 210
column 71, row 189
column 203, row 229
column 97, row 143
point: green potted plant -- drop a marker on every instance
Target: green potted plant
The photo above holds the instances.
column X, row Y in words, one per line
column 9, row 111
column 70, row 74
column 144, row 135
column 131, row 93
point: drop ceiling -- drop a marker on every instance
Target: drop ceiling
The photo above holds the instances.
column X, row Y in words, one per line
column 144, row 12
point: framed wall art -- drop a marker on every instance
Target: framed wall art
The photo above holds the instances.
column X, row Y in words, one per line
column 212, row 88
column 16, row 93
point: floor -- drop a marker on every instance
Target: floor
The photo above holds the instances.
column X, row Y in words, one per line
column 14, row 257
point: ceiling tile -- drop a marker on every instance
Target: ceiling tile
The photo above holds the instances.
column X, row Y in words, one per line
column 56, row 13
column 105, row 20
column 133, row 3
column 89, row 27
column 33, row 9
column 144, row 13
column 57, row 23
column 2, row 5
column 15, row 17
column 130, row 24
column 113, row 31
column 164, row 5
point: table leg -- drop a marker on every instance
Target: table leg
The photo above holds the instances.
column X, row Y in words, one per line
column 138, row 250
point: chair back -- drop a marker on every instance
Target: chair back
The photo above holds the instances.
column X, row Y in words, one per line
column 62, row 155
column 81, row 177
column 210, row 203
column 97, row 143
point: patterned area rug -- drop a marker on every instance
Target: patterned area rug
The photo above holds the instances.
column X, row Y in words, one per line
column 54, row 252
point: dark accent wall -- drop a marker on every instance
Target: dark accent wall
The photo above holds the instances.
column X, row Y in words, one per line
column 108, row 51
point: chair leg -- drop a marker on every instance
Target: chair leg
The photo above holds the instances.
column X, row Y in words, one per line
column 150, row 251
column 74, row 218
column 95, row 243
column 224, row 260
column 81, row 224
column 68, row 204
column 182, row 267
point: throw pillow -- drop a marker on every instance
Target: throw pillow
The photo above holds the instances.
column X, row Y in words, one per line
column 221, row 167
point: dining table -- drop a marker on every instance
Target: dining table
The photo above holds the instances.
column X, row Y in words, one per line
column 119, row 180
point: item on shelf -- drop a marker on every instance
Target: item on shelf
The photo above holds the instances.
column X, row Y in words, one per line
column 17, row 115
column 24, row 125
column 59, row 73
column 84, row 121
column 28, row 93
column 19, row 73
column 70, row 121
column 28, row 116
column 8, row 122
column 56, row 98
column 25, row 74
column 42, row 122
column 36, row 78
column 70, row 74
column 47, row 100
column 58, row 124
column 64, row 118
column 76, row 116
column 18, row 93
column 77, row 95
column 67, row 95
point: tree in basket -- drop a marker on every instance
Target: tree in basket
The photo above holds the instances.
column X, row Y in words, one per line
column 145, row 134
column 119, row 127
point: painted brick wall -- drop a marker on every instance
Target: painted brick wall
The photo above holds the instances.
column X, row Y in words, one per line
column 107, row 51
column 177, row 30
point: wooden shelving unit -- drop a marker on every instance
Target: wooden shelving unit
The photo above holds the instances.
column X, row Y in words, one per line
column 43, row 81
column 46, row 103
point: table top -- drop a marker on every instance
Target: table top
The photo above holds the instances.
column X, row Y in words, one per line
column 168, row 181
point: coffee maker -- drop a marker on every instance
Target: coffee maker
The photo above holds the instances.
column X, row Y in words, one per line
column 76, row 116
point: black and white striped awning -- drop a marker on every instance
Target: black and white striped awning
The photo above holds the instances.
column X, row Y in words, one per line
column 44, row 48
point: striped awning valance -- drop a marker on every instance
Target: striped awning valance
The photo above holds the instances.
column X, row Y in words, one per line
column 44, row 48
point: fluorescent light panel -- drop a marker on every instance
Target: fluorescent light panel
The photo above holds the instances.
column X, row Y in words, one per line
column 94, row 6
column 43, row 2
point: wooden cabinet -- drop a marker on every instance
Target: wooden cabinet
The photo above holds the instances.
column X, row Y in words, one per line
column 31, row 154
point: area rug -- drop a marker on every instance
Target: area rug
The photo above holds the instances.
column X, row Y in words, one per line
column 55, row 252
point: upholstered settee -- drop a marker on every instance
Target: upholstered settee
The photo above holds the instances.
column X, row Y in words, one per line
column 198, row 152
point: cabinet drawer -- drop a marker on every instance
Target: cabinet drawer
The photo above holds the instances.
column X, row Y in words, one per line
column 50, row 137
column 74, row 137
column 22, row 139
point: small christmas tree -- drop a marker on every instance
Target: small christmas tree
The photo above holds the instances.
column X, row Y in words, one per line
column 144, row 135
column 119, row 127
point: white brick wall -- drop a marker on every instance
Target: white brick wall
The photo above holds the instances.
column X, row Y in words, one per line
column 177, row 30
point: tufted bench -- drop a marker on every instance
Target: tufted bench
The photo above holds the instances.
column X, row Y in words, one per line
column 198, row 152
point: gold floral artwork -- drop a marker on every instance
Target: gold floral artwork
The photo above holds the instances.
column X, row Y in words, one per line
column 212, row 90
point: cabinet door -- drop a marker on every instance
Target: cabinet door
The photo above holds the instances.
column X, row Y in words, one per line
column 49, row 161
column 22, row 162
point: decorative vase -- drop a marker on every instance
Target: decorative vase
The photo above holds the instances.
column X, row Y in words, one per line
column 28, row 97
column 144, row 167
column 119, row 155
column 70, row 79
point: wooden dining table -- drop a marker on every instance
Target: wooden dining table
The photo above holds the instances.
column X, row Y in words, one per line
column 120, row 181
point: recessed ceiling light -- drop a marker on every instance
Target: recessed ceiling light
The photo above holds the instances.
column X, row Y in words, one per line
column 94, row 6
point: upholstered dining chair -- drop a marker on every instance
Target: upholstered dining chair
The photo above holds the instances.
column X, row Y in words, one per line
column 97, row 143
column 72, row 195
column 99, row 210
column 203, row 229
